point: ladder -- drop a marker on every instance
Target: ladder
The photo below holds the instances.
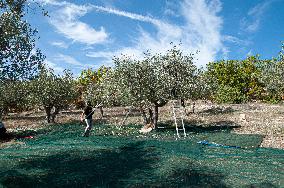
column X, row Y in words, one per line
column 181, row 117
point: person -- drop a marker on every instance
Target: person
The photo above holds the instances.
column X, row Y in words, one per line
column 87, row 115
column 2, row 130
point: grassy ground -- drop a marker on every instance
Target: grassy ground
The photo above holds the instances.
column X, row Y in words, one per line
column 113, row 156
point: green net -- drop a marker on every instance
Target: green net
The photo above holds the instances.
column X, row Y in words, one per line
column 58, row 156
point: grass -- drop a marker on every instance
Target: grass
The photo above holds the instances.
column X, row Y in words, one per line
column 58, row 156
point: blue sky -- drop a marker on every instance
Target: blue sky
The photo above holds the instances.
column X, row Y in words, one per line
column 81, row 34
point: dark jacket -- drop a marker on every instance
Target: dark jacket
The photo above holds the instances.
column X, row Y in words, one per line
column 2, row 129
column 88, row 112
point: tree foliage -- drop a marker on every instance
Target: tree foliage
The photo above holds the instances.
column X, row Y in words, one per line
column 272, row 76
column 19, row 57
column 240, row 77
column 91, row 88
column 13, row 96
column 151, row 82
column 53, row 92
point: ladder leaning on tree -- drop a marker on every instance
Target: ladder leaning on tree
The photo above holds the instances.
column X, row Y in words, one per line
column 177, row 107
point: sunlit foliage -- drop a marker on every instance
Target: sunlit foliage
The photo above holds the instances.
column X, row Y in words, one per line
column 91, row 88
column 272, row 76
column 151, row 82
column 236, row 81
column 19, row 57
column 13, row 96
column 53, row 92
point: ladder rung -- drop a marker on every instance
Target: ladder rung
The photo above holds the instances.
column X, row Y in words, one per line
column 179, row 118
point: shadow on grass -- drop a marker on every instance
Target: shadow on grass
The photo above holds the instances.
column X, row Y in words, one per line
column 199, row 127
column 261, row 185
column 21, row 134
column 82, row 169
column 195, row 179
column 219, row 126
column 132, row 165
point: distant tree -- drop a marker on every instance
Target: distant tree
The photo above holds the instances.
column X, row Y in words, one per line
column 241, row 77
column 272, row 77
column 53, row 92
column 13, row 96
column 91, row 87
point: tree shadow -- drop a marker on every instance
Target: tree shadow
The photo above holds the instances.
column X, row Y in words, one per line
column 30, row 133
column 195, row 179
column 200, row 127
column 132, row 165
column 261, row 185
column 217, row 110
column 21, row 134
column 219, row 126
column 102, row 168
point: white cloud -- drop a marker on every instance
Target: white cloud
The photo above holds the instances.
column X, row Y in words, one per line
column 69, row 60
column 252, row 22
column 100, row 54
column 125, row 14
column 49, row 2
column 57, row 69
column 236, row 40
column 203, row 28
column 201, row 31
column 66, row 21
column 171, row 30
column 250, row 53
column 171, row 8
column 59, row 44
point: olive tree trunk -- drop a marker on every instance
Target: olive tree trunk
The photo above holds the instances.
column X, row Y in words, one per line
column 50, row 116
column 48, row 113
column 54, row 114
column 156, row 116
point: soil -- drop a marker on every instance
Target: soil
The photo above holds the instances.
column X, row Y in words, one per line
column 250, row 118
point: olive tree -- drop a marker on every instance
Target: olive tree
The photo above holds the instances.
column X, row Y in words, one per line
column 53, row 92
column 19, row 57
column 13, row 96
column 272, row 76
column 151, row 82
column 140, row 85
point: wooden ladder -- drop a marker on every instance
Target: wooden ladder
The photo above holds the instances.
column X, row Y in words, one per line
column 181, row 117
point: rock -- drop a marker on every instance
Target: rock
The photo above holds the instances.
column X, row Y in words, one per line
column 147, row 128
column 243, row 117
